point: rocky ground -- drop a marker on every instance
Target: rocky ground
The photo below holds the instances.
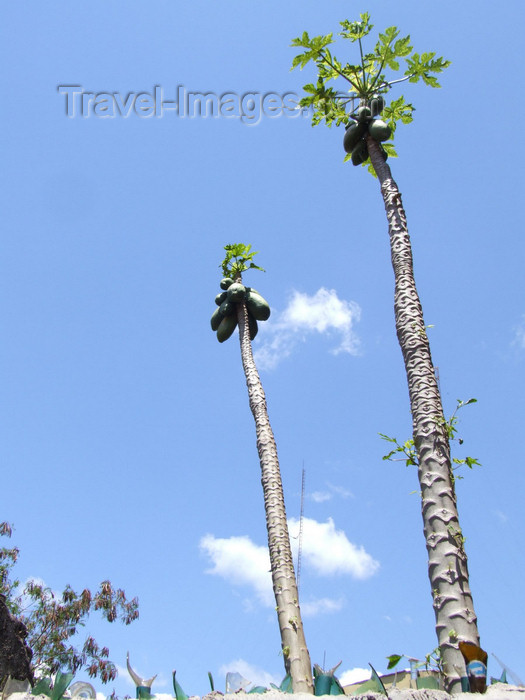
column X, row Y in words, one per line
column 499, row 691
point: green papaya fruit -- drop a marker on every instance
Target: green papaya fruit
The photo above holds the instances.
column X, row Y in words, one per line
column 360, row 153
column 258, row 306
column 225, row 283
column 216, row 319
column 364, row 114
column 376, row 104
column 236, row 292
column 220, row 298
column 227, row 308
column 226, row 328
column 354, row 132
column 254, row 328
column 379, row 130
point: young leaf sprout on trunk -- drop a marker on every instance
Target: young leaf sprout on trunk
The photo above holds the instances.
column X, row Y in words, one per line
column 244, row 307
column 366, row 142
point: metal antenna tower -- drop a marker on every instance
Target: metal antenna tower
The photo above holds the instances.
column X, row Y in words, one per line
column 300, row 547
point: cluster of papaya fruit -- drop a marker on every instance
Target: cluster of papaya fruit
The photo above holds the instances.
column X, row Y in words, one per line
column 224, row 319
column 364, row 123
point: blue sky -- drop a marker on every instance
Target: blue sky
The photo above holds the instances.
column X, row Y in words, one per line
column 127, row 445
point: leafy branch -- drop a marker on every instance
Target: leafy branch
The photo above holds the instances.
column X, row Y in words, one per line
column 432, row 660
column 406, row 452
column 238, row 259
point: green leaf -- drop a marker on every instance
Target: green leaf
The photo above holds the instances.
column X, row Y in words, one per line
column 238, row 259
column 471, row 462
column 390, row 149
column 393, row 660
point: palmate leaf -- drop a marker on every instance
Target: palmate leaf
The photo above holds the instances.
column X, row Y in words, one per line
column 315, row 46
column 421, row 67
column 356, row 30
column 398, row 110
column 367, row 78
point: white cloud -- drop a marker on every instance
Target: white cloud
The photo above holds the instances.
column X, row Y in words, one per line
column 241, row 562
column 340, row 491
column 355, row 675
column 322, row 313
column 320, row 496
column 321, row 606
column 519, row 334
column 124, row 674
column 330, row 552
column 256, row 675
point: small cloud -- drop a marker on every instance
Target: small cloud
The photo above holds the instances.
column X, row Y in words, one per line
column 123, row 674
column 502, row 516
column 340, row 491
column 320, row 496
column 330, row 552
column 241, row 562
column 355, row 675
column 322, row 313
column 321, row 606
column 255, row 674
column 519, row 334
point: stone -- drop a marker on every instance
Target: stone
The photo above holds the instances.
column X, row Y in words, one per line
column 15, row 655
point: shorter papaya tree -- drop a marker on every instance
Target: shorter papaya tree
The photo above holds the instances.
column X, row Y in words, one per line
column 244, row 307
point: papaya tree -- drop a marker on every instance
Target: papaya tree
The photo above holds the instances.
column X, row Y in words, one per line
column 243, row 307
column 370, row 125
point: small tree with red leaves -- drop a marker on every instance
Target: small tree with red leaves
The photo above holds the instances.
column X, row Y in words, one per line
column 52, row 621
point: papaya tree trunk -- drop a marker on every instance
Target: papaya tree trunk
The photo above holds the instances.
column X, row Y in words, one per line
column 295, row 653
column 447, row 560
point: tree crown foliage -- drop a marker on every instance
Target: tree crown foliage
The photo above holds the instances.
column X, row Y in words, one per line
column 238, row 259
column 373, row 76
column 52, row 620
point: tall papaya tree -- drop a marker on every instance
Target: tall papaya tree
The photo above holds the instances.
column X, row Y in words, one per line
column 243, row 307
column 370, row 125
